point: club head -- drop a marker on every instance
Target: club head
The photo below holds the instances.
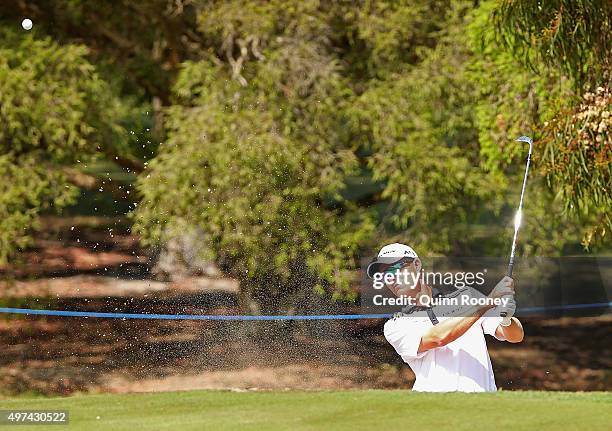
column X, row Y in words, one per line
column 524, row 139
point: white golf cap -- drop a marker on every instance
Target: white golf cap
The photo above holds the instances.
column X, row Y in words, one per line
column 390, row 254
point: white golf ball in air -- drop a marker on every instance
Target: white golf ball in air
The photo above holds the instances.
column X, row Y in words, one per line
column 26, row 24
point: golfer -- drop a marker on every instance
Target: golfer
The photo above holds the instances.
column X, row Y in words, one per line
column 446, row 352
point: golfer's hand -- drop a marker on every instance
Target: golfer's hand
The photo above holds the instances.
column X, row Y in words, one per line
column 504, row 288
column 509, row 309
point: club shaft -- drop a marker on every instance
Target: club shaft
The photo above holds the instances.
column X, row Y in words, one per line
column 517, row 224
column 520, row 209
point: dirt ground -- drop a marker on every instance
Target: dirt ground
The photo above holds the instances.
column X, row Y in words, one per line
column 54, row 355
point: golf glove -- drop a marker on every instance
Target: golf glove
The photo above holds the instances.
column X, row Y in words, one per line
column 510, row 309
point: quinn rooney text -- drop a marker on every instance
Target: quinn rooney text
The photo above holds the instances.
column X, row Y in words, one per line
column 426, row 301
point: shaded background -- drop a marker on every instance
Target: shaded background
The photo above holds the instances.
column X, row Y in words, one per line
column 244, row 156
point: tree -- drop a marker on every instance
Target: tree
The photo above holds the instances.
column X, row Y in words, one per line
column 292, row 103
column 297, row 134
column 575, row 36
column 267, row 155
column 56, row 112
column 442, row 134
column 576, row 39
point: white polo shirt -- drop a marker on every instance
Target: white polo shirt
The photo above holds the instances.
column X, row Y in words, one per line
column 462, row 365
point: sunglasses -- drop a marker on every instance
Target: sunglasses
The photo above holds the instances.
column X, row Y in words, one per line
column 398, row 265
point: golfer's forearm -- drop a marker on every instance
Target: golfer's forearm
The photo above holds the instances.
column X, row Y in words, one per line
column 514, row 332
column 450, row 329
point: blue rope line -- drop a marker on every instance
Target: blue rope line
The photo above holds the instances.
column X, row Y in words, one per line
column 65, row 313
column 530, row 310
column 94, row 314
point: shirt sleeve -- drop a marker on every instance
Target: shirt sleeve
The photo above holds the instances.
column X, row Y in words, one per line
column 404, row 334
column 489, row 323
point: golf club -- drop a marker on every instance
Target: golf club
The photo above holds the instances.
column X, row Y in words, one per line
column 517, row 218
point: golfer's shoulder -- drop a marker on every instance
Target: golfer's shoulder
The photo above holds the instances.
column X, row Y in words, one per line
column 401, row 325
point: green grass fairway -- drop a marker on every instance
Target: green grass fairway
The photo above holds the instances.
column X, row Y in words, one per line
column 350, row 410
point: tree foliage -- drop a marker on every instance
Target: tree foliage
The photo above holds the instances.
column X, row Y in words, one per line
column 296, row 135
column 267, row 155
column 420, row 127
column 577, row 148
column 316, row 90
column 55, row 111
column 574, row 38
column 135, row 45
